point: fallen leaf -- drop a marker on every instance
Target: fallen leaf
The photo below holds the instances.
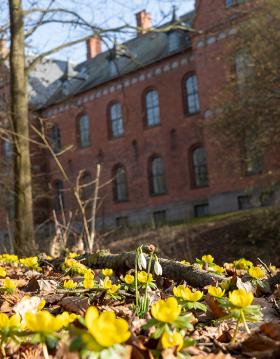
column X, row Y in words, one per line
column 272, row 330
column 215, row 307
column 75, row 304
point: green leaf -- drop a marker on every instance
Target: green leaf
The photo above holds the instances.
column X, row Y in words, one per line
column 76, row 344
column 51, row 341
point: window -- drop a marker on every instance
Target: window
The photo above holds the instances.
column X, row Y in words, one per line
column 120, row 184
column 159, row 218
column 201, row 210
column 199, row 167
column 55, row 138
column 244, row 202
column 116, row 120
column 58, row 195
column 156, row 176
column 122, row 222
column 173, row 41
column 83, row 131
column 7, row 148
column 152, row 108
column 192, row 95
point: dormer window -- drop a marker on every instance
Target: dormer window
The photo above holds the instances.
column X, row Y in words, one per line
column 173, row 41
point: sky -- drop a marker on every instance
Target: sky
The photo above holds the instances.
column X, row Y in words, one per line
column 104, row 13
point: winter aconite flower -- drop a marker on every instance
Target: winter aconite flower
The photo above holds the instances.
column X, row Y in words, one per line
column 144, row 277
column 30, row 262
column 43, row 322
column 107, row 272
column 256, row 273
column 7, row 323
column 105, row 328
column 9, row 285
column 69, row 284
column 67, row 318
column 109, row 286
column 166, row 310
column 172, row 339
column 208, row 258
column 129, row 279
column 2, row 272
column 240, row 298
column 242, row 263
column 185, row 293
column 216, row 292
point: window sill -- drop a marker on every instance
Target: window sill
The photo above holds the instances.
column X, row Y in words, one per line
column 158, row 194
column 83, row 147
column 148, row 127
column 192, row 114
column 115, row 138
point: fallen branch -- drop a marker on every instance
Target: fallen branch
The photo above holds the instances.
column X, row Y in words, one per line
column 171, row 269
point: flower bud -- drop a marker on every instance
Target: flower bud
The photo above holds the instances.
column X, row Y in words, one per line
column 157, row 267
column 142, row 263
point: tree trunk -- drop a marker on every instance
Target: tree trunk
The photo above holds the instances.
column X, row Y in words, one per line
column 24, row 234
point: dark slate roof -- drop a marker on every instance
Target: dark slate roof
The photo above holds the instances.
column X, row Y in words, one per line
column 130, row 56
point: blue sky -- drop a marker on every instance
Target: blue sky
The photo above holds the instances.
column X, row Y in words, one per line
column 104, row 13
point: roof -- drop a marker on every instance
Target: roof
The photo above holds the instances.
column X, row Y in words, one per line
column 125, row 58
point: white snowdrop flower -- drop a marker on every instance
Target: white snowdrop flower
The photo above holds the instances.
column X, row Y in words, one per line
column 142, row 263
column 157, row 267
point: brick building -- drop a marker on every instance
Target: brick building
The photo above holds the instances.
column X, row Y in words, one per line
column 139, row 110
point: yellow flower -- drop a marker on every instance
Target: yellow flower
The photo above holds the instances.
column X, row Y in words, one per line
column 9, row 284
column 41, row 305
column 272, row 268
column 43, row 322
column 129, row 279
column 184, row 292
column 218, row 269
column 240, row 298
column 225, row 284
column 2, row 272
column 88, row 274
column 67, row 318
column 216, row 291
column 106, row 329
column 170, row 340
column 256, row 272
column 143, row 277
column 73, row 255
column 242, row 263
column 88, row 283
column 107, row 272
column 6, row 322
column 30, row 262
column 111, row 288
column 186, row 263
column 208, row 258
column 69, row 284
column 166, row 311
column 9, row 258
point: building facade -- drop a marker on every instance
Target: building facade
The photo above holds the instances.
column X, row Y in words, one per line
column 141, row 111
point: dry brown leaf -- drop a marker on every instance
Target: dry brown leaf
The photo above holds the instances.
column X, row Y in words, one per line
column 75, row 304
column 215, row 307
column 259, row 345
column 169, row 353
column 272, row 330
column 220, row 355
column 47, row 286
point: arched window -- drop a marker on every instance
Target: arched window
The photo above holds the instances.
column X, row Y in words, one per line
column 116, row 120
column 199, row 167
column 192, row 95
column 55, row 138
column 156, row 176
column 58, row 195
column 152, row 108
column 83, row 131
column 120, row 184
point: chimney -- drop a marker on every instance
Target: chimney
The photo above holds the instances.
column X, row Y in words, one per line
column 93, row 47
column 143, row 22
